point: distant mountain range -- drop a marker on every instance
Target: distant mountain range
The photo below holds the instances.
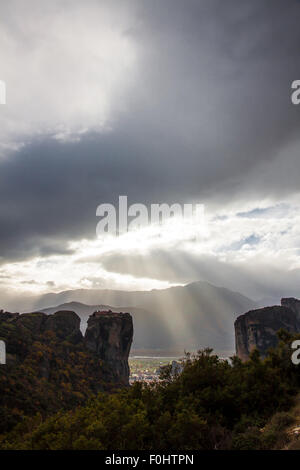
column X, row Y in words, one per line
column 184, row 317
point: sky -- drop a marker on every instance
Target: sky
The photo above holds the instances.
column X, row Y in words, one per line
column 164, row 101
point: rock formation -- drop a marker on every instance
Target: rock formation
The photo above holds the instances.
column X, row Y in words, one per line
column 50, row 366
column 292, row 303
column 65, row 324
column 7, row 316
column 109, row 335
column 258, row 328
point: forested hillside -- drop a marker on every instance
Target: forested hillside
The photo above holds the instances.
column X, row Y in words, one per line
column 212, row 404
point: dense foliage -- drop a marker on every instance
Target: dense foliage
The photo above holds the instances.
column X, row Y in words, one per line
column 212, row 404
column 45, row 374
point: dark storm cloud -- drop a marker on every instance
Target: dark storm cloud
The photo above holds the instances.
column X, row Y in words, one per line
column 50, row 192
column 221, row 84
column 208, row 115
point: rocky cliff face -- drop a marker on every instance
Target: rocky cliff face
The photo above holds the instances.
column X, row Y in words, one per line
column 258, row 328
column 293, row 304
column 65, row 324
column 51, row 366
column 109, row 335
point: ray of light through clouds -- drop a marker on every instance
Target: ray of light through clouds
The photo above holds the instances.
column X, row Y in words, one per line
column 66, row 65
column 166, row 101
column 267, row 237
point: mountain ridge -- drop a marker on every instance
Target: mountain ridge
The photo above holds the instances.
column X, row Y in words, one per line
column 182, row 317
column 74, row 292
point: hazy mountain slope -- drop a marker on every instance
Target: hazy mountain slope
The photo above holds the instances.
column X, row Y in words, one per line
column 83, row 310
column 149, row 330
column 192, row 316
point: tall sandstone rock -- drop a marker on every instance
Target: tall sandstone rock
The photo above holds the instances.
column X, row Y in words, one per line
column 293, row 304
column 109, row 335
column 50, row 365
column 258, row 329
